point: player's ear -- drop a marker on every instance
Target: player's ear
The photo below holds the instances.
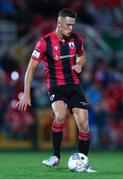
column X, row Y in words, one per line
column 59, row 22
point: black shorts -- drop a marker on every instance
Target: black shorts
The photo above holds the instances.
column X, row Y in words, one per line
column 72, row 95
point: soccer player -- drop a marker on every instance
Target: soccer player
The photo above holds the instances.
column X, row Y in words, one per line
column 63, row 55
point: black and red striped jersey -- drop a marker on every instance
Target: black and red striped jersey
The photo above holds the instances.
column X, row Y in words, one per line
column 59, row 56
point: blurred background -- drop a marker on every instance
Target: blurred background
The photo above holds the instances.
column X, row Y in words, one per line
column 22, row 23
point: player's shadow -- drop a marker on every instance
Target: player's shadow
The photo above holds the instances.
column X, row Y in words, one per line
column 55, row 169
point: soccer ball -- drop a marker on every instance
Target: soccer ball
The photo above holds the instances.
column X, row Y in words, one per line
column 78, row 162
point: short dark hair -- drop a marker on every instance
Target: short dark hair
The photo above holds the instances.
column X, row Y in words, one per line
column 67, row 13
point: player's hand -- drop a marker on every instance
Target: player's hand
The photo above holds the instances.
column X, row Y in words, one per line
column 77, row 67
column 23, row 103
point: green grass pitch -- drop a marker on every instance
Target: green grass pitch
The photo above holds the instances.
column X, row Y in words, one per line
column 27, row 165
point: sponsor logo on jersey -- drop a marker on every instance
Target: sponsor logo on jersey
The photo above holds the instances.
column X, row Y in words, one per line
column 36, row 54
column 64, row 57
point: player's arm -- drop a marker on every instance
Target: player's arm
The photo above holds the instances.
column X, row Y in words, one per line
column 36, row 57
column 81, row 56
column 25, row 100
column 80, row 61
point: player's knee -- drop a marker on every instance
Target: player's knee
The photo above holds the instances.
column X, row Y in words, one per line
column 83, row 126
column 60, row 117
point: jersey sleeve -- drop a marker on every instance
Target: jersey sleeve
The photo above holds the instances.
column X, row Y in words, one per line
column 39, row 50
column 80, row 46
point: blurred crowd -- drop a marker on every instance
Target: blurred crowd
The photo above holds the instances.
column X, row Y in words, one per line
column 102, row 80
column 29, row 13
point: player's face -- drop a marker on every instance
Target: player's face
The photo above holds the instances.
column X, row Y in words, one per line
column 66, row 26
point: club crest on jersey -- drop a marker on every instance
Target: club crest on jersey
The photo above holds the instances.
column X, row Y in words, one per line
column 71, row 45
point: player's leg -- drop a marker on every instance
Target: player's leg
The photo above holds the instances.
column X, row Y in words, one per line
column 60, row 110
column 81, row 118
column 79, row 107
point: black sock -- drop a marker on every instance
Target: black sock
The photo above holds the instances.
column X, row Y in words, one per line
column 83, row 142
column 57, row 139
column 83, row 146
column 57, row 135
